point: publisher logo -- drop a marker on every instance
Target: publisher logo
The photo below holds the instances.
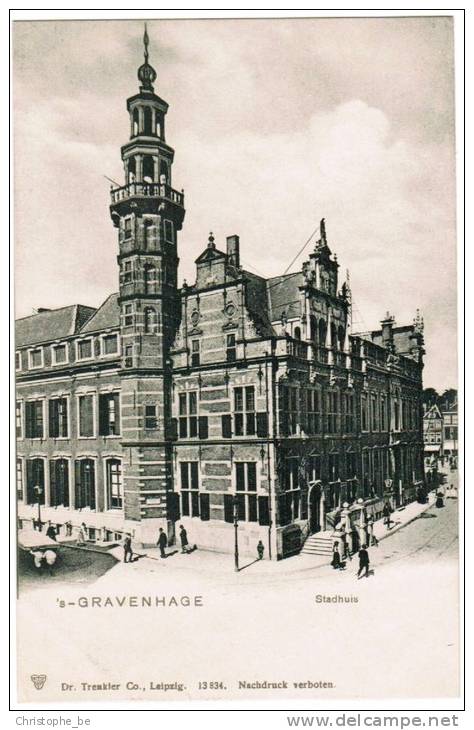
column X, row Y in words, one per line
column 38, row 680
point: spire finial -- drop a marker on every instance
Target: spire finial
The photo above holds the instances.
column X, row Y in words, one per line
column 146, row 41
column 211, row 243
column 146, row 72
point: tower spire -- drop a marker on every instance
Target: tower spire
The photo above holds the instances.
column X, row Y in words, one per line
column 146, row 72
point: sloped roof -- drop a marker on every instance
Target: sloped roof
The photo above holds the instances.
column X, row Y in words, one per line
column 283, row 295
column 257, row 304
column 433, row 411
column 106, row 317
column 52, row 324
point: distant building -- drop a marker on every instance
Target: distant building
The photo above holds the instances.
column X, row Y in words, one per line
column 236, row 396
column 433, row 436
column 450, row 431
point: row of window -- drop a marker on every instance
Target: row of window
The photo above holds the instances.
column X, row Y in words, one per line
column 34, row 358
column 31, row 417
column 168, row 230
column 312, row 411
column 31, row 482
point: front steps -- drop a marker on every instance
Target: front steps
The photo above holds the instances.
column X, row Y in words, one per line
column 321, row 543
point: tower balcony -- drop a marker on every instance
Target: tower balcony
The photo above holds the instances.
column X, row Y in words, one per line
column 145, row 197
column 147, row 190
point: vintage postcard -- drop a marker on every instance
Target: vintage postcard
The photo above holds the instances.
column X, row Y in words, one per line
column 237, row 441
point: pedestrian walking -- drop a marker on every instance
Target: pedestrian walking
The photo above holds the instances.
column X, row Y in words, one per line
column 68, row 526
column 51, row 531
column 336, row 557
column 440, row 499
column 127, row 549
column 183, row 536
column 260, row 550
column 364, row 561
column 82, row 536
column 50, row 558
column 162, row 542
column 387, row 511
column 370, row 530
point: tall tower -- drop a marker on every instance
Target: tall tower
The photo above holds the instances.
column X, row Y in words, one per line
column 148, row 214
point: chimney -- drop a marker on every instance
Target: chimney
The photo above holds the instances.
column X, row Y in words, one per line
column 233, row 250
column 387, row 333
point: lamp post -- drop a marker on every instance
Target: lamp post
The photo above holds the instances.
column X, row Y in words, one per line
column 38, row 491
column 235, row 503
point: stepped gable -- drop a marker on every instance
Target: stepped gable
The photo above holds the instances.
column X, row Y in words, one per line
column 51, row 324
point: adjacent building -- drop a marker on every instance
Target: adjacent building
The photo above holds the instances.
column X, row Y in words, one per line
column 236, row 397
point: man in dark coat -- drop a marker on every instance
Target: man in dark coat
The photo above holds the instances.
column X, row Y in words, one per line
column 127, row 549
column 387, row 511
column 51, row 532
column 183, row 536
column 363, row 561
column 162, row 542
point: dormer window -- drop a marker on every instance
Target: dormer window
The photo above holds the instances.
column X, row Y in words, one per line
column 36, row 358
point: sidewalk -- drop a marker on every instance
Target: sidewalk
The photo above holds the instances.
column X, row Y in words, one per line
column 221, row 565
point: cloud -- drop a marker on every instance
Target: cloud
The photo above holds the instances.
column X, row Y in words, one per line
column 387, row 195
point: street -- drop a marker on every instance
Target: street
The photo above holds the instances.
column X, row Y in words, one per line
column 395, row 633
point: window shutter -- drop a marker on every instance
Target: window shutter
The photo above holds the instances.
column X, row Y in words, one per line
column 184, row 475
column 28, row 419
column 204, row 506
column 29, row 482
column 77, row 484
column 226, row 426
column 116, row 397
column 194, row 475
column 183, row 428
column 65, row 484
column 92, row 484
column 53, row 423
column 103, row 414
column 228, row 508
column 203, row 427
column 52, row 480
column 263, row 511
column 240, row 475
column 262, row 424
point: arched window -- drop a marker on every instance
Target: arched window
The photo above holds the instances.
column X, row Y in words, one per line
column 297, row 333
column 35, row 481
column 85, row 483
column 114, row 483
column 59, row 482
column 147, row 125
column 149, row 319
column 333, row 335
column 163, row 172
column 322, row 332
column 313, row 328
column 135, row 122
column 147, row 234
column 341, row 337
column 132, row 170
column 148, row 169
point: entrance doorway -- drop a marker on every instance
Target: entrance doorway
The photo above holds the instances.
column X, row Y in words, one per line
column 314, row 499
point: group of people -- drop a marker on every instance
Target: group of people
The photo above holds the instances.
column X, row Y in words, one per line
column 338, row 562
column 162, row 544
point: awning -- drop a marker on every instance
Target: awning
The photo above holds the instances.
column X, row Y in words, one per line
column 432, row 448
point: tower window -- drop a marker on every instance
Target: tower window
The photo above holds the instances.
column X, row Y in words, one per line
column 127, row 228
column 151, row 421
column 147, row 121
column 169, row 232
column 148, row 169
column 244, row 411
column 135, row 122
column 150, row 279
column 128, row 315
column 127, row 272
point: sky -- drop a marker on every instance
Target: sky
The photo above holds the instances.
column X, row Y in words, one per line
column 276, row 124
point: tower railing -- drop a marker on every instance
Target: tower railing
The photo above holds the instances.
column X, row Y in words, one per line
column 147, row 190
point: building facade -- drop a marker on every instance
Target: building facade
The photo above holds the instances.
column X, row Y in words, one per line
column 234, row 398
